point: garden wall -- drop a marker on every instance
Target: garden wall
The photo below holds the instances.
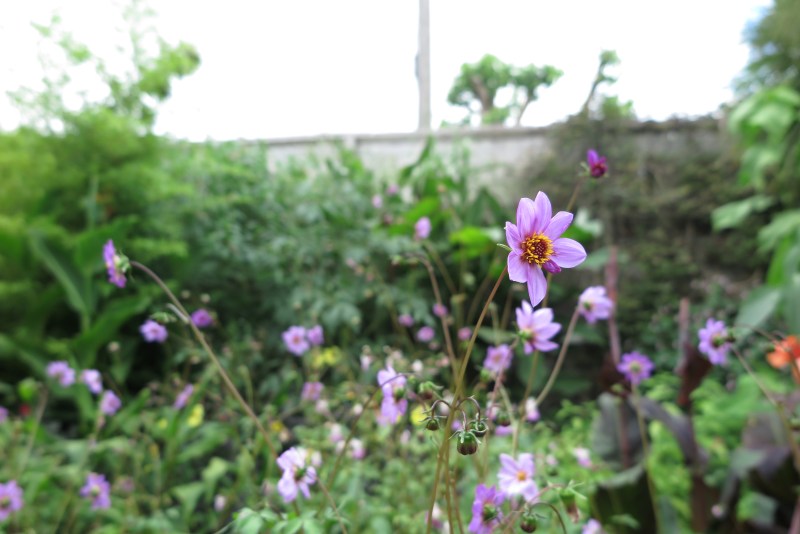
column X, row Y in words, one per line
column 507, row 157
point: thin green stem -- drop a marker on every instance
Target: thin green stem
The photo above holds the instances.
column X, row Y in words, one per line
column 560, row 361
column 451, row 355
column 456, row 397
column 646, row 457
column 32, row 438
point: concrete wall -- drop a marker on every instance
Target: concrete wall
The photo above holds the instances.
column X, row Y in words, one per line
column 506, row 157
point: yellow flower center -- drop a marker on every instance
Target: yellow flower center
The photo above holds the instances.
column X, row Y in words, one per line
column 537, row 248
column 522, row 476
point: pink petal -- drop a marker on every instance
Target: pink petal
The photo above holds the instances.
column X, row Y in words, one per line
column 543, row 213
column 512, row 236
column 526, row 217
column 558, row 225
column 551, row 267
column 548, row 331
column 545, row 346
column 543, row 316
column 568, row 252
column 537, row 285
column 517, row 268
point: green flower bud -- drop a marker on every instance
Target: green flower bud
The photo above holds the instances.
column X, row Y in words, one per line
column 503, row 419
column 432, row 424
column 479, row 428
column 529, row 522
column 486, row 375
column 427, row 391
column 567, row 497
column 467, row 443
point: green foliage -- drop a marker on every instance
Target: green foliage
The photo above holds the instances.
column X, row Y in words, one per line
column 477, row 86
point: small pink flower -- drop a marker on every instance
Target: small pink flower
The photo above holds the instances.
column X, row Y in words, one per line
column 93, row 380
column 486, row 513
column 537, row 328
column 406, row 320
column 498, row 359
column 583, row 456
column 298, row 474
column 109, row 403
column 153, row 332
column 593, row 304
column 440, row 310
column 516, row 476
column 98, row 490
column 202, row 318
column 422, row 228
column 295, row 340
column 715, row 342
column 377, row 202
column 183, row 397
column 311, row 391
column 315, row 335
column 425, row 334
column 61, row 371
column 464, row 333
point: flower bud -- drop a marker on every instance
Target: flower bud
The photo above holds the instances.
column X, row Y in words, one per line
column 467, row 443
column 432, row 424
column 486, row 375
column 412, row 382
column 529, row 522
column 479, row 428
column 567, row 497
column 427, row 390
column 503, row 419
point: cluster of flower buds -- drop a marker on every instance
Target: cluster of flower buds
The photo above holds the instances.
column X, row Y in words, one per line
column 467, row 436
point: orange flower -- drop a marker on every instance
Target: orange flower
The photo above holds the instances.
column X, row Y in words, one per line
column 786, row 352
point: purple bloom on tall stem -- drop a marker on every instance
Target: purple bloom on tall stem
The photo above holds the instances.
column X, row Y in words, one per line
column 715, row 342
column 537, row 328
column 536, row 245
column 406, row 320
column 202, row 318
column 114, row 264
column 311, row 391
column 464, row 333
column 636, row 367
column 98, row 490
column 422, row 228
column 597, row 164
column 10, row 499
column 516, row 476
column 295, row 340
column 498, row 358
column 62, row 372
column 183, row 397
column 440, row 310
column 486, row 514
column 593, row 304
column 425, row 334
column 93, row 380
column 394, row 403
column 583, row 455
column 110, row 403
column 153, row 332
column 298, row 474
column 315, row 335
column 3, row 414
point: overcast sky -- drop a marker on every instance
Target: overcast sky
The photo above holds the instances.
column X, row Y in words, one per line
column 304, row 67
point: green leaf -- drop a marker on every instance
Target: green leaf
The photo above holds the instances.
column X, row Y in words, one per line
column 188, row 495
column 759, row 305
column 784, row 224
column 733, row 214
column 75, row 284
column 106, row 327
column 248, row 521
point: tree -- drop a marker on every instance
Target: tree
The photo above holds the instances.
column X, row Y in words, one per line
column 476, row 88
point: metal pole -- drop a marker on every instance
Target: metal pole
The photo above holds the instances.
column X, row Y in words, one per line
column 424, row 66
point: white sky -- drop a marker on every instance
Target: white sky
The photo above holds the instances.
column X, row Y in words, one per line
column 304, row 67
